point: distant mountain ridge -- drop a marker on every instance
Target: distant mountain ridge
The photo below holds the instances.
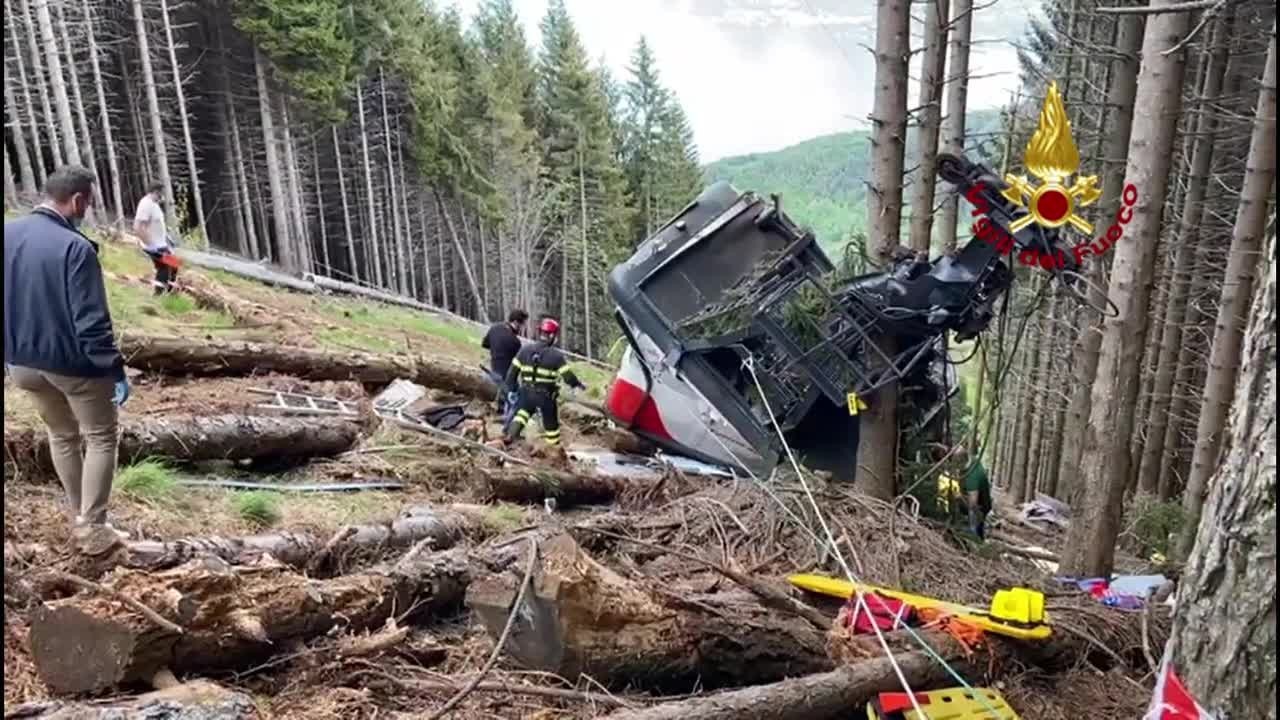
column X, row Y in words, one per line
column 823, row 180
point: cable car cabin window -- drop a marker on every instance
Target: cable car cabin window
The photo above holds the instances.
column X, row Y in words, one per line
column 703, row 272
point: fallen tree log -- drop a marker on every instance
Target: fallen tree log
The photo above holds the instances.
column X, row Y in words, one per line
column 582, row 618
column 246, row 269
column 229, row 618
column 215, row 437
column 524, row 484
column 840, row 693
column 195, row 700
column 339, row 286
column 441, row 528
column 179, row 356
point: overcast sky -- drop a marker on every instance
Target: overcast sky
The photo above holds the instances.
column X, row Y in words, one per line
column 759, row 75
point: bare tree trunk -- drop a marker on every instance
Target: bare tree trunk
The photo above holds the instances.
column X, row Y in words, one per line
column 235, row 212
column 1147, row 366
column 397, row 231
column 1024, row 482
column 144, row 170
column 192, row 169
column 1188, row 238
column 564, row 284
column 153, row 104
column 444, row 278
column 346, row 208
column 10, row 188
column 240, row 180
column 1187, row 363
column 18, row 53
column 58, row 81
column 407, row 265
column 368, row 187
column 263, row 231
column 279, row 198
column 878, row 435
column 1230, row 581
column 957, row 105
column 1105, row 464
column 462, row 255
column 426, row 250
column 38, row 69
column 932, row 67
column 302, row 234
column 1120, row 97
column 586, row 263
column 1237, row 289
column 1036, row 412
column 320, row 219
column 1019, row 434
column 484, row 269
column 113, row 165
column 83, row 122
column 26, row 176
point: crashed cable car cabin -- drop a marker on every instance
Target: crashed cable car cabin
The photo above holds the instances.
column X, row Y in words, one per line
column 738, row 330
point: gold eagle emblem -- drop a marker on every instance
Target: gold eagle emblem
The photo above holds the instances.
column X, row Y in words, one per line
column 1053, row 158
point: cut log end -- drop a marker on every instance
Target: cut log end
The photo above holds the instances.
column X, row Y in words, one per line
column 581, row 617
column 77, row 650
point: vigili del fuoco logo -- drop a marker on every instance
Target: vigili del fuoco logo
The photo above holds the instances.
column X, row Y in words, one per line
column 1052, row 158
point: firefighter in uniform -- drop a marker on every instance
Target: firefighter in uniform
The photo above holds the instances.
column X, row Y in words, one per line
column 536, row 372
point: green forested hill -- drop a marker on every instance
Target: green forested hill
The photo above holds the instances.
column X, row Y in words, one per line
column 822, row 180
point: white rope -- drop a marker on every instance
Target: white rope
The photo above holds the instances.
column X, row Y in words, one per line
column 861, row 602
column 861, row 605
column 749, row 364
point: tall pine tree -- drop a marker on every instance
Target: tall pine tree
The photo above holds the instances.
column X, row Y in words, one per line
column 660, row 159
column 590, row 205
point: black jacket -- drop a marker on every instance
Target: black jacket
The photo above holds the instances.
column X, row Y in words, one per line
column 541, row 366
column 502, row 344
column 56, row 317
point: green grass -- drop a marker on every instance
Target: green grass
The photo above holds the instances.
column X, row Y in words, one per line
column 390, row 319
column 348, row 339
column 177, row 304
column 135, row 307
column 504, row 518
column 258, row 507
column 149, row 480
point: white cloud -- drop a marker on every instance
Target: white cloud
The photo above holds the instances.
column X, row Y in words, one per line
column 758, row 75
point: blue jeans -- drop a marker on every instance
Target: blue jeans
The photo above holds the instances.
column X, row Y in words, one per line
column 507, row 399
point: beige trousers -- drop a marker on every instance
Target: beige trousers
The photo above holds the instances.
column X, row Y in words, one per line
column 75, row 408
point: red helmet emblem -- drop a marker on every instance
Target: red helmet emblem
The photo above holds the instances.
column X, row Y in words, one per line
column 549, row 326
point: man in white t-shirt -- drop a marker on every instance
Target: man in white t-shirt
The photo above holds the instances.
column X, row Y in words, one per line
column 148, row 225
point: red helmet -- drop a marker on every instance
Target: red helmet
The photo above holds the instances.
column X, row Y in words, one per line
column 549, row 326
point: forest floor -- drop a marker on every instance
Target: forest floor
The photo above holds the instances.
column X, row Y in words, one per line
column 730, row 524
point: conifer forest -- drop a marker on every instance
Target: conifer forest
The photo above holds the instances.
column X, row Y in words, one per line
column 326, row 513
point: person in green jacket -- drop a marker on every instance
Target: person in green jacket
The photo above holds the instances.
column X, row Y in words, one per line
column 977, row 492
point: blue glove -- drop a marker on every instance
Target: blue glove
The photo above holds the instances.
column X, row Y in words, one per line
column 121, row 393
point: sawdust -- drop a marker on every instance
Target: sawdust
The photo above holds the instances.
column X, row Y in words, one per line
column 21, row 682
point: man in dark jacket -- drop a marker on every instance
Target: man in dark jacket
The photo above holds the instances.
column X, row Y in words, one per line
column 537, row 371
column 59, row 346
column 503, row 342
